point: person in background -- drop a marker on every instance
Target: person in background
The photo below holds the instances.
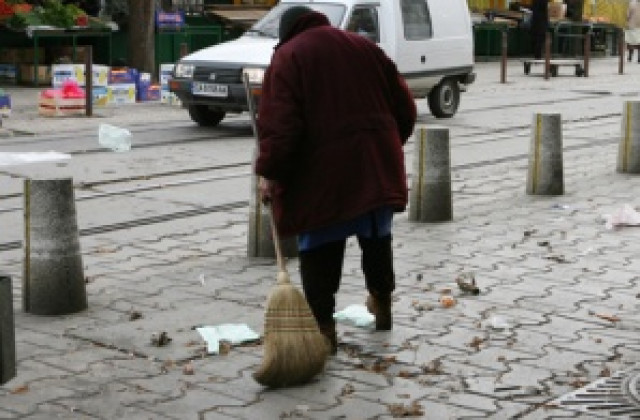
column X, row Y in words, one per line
column 632, row 30
column 333, row 118
column 539, row 26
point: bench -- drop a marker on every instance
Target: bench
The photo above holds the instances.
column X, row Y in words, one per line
column 554, row 64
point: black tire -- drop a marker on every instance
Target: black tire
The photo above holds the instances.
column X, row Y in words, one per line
column 204, row 116
column 554, row 71
column 579, row 71
column 444, row 99
column 527, row 68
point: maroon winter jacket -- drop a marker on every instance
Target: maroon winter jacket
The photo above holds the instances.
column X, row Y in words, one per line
column 333, row 117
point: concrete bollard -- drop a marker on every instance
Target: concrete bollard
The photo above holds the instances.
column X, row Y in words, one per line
column 53, row 280
column 7, row 332
column 545, row 175
column 430, row 195
column 260, row 239
column 629, row 147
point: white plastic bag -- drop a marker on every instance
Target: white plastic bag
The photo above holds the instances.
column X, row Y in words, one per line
column 115, row 138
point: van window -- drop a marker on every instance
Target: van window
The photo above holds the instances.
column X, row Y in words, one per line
column 364, row 21
column 416, row 20
column 268, row 25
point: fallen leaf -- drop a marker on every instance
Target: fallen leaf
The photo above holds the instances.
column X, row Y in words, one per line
column 476, row 342
column 401, row 410
column 348, row 389
column 606, row 317
column 188, row 369
column 22, row 389
column 447, row 301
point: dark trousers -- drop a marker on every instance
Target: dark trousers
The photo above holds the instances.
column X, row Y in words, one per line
column 321, row 270
column 537, row 41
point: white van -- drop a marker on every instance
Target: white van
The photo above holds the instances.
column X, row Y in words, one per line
column 431, row 42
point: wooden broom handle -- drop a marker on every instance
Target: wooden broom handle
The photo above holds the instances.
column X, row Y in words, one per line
column 276, row 244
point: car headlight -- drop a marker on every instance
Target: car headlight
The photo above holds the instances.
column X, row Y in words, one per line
column 184, row 70
column 255, row 75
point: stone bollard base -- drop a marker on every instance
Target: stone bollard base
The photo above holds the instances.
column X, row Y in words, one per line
column 430, row 195
column 53, row 280
column 545, row 175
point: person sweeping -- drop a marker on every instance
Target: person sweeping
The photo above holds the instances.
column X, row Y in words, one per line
column 333, row 118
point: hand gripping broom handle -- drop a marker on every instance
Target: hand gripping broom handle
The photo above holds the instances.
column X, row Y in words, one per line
column 282, row 279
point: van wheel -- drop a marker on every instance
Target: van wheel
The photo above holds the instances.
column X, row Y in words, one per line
column 205, row 116
column 444, row 99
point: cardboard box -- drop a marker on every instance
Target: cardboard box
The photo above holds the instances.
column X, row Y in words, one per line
column 5, row 105
column 169, row 98
column 8, row 73
column 557, row 10
column 75, row 72
column 28, row 73
column 123, row 75
column 166, row 70
column 148, row 92
column 124, row 93
column 100, row 96
column 61, row 107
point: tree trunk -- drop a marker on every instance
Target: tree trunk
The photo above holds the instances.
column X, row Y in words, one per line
column 141, row 36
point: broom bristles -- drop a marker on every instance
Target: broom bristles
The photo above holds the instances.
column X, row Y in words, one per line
column 294, row 348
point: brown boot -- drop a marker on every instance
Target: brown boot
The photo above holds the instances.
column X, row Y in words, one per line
column 380, row 307
column 329, row 331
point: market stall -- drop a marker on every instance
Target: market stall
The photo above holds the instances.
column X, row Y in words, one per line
column 35, row 37
column 570, row 22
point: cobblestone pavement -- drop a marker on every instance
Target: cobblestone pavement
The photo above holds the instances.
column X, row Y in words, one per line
column 546, row 266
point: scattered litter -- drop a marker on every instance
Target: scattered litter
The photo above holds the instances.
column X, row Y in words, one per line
column 134, row 315
column 233, row 333
column 560, row 207
column 606, row 317
column 476, row 342
column 447, row 301
column 625, row 216
column 115, row 138
column 160, row 339
column 356, row 315
column 21, row 389
column 9, row 159
column 188, row 369
column 499, row 323
column 202, row 279
column 467, row 283
column 400, row 410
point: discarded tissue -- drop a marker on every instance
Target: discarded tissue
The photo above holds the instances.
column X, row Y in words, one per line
column 115, row 138
column 356, row 315
column 233, row 333
column 625, row 216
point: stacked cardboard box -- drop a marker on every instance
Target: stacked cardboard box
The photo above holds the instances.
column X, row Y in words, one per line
column 76, row 73
column 5, row 104
column 122, row 86
column 167, row 97
column 17, row 64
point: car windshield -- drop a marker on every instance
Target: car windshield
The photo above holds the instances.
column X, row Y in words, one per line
column 268, row 25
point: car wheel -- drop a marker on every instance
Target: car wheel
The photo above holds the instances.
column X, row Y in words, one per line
column 444, row 99
column 205, row 116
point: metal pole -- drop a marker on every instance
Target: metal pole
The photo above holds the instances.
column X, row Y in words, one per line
column 547, row 55
column 621, row 52
column 88, row 78
column 184, row 49
column 503, row 62
column 629, row 146
column 587, row 52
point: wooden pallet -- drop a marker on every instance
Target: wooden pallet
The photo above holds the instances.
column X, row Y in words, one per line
column 554, row 64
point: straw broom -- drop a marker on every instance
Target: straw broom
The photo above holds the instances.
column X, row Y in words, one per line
column 294, row 348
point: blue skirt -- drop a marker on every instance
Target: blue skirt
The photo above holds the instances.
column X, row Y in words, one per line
column 376, row 223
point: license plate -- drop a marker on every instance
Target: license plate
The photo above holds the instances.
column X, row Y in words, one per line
column 210, row 89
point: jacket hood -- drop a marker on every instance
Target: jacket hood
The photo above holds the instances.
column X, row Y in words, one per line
column 303, row 23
